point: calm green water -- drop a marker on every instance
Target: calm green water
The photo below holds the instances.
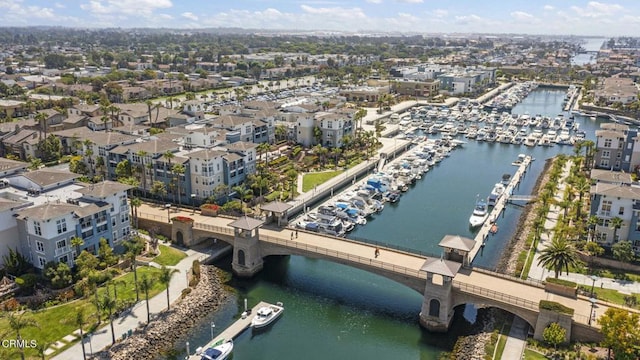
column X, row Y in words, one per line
column 336, row 312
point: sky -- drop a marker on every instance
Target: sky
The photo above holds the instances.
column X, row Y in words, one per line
column 553, row 17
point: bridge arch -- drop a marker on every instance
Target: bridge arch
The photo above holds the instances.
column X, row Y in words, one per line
column 434, row 308
column 529, row 316
column 179, row 238
column 241, row 258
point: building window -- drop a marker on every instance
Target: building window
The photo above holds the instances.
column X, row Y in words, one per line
column 621, row 211
column 606, row 154
column 61, row 244
column 606, row 208
column 62, row 226
column 36, row 228
column 607, row 143
column 40, row 246
column 63, row 259
column 42, row 261
column 604, row 163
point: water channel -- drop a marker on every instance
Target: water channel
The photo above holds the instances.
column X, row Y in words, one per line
column 337, row 312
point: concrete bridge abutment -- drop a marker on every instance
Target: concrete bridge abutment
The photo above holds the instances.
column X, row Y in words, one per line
column 247, row 256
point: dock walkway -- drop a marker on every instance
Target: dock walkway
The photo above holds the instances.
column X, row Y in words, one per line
column 232, row 331
column 485, row 231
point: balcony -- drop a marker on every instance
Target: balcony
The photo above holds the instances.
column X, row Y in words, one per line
column 604, row 213
column 63, row 250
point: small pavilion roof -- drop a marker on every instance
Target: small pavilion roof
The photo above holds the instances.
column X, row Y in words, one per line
column 457, row 242
column 441, row 267
column 276, row 206
column 246, row 223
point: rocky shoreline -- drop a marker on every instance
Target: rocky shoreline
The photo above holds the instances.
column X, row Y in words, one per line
column 472, row 347
column 168, row 327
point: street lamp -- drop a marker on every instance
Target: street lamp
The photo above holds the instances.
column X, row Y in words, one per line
column 213, row 326
column 168, row 206
column 593, row 304
column 188, row 352
column 193, row 202
column 594, row 279
column 90, row 345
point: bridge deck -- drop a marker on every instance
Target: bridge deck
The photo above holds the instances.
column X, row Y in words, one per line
column 479, row 283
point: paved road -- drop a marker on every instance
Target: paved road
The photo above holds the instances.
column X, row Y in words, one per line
column 102, row 337
column 516, row 340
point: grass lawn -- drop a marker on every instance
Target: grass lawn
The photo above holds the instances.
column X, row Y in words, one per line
column 610, row 295
column 54, row 323
column 504, row 335
column 532, row 355
column 309, row 181
column 169, row 256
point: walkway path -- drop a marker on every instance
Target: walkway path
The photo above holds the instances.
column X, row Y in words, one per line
column 516, row 340
column 102, row 337
column 539, row 273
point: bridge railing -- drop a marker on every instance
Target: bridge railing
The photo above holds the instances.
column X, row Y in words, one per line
column 492, row 272
column 494, row 295
column 215, row 228
column 152, row 216
column 345, row 256
column 390, row 246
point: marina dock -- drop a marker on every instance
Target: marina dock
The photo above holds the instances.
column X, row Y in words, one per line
column 232, row 331
column 485, row 231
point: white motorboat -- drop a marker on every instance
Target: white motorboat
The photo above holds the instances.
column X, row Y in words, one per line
column 480, row 213
column 495, row 195
column 219, row 352
column 266, row 315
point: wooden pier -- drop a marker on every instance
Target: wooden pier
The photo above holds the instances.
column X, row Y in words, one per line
column 485, row 231
column 232, row 331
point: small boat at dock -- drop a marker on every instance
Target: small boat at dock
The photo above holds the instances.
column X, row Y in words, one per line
column 496, row 193
column 480, row 213
column 218, row 352
column 266, row 315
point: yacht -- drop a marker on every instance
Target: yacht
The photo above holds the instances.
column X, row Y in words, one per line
column 496, row 193
column 480, row 213
column 266, row 315
column 219, row 352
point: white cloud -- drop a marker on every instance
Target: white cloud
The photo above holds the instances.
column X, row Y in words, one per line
column 522, row 16
column 59, row 5
column 411, row 1
column 440, row 13
column 548, row 8
column 596, row 9
column 125, row 7
column 335, row 12
column 190, row 16
column 374, row 1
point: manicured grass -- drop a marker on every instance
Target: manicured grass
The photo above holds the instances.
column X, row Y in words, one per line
column 169, row 256
column 532, row 355
column 610, row 295
column 309, row 181
column 54, row 323
column 503, row 339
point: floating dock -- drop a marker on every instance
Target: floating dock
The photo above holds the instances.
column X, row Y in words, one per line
column 486, row 230
column 232, row 331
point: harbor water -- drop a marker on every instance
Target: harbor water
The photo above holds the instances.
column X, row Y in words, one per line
column 337, row 312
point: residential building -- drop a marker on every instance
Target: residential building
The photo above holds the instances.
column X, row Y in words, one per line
column 615, row 147
column 616, row 200
column 423, row 89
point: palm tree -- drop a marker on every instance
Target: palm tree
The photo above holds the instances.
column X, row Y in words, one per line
column 108, row 305
column 582, row 186
column 263, row 148
column 41, row 118
column 178, row 170
column 243, row 193
column 18, row 323
column 146, row 284
column 81, row 322
column 292, row 175
column 142, row 154
column 592, row 221
column 41, row 348
column 358, row 116
column 615, row 223
column 88, row 153
column 168, row 155
column 135, row 204
column 133, row 249
column 558, row 255
column 77, row 242
column 165, row 279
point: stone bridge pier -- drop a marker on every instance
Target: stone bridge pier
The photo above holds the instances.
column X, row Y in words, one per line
column 247, row 256
column 437, row 306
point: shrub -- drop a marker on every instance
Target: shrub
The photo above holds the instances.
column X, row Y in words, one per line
column 213, row 207
column 10, row 305
column 66, row 295
column 196, row 268
column 186, row 292
column 27, row 282
column 566, row 283
column 554, row 306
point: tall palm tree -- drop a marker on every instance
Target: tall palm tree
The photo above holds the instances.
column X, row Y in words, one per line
column 80, row 322
column 135, row 204
column 88, row 153
column 143, row 170
column 133, row 249
column 165, row 279
column 108, row 305
column 582, row 186
column 41, row 118
column 77, row 242
column 558, row 255
column 18, row 323
column 178, row 170
column 146, row 284
column 263, row 148
column 243, row 193
column 615, row 223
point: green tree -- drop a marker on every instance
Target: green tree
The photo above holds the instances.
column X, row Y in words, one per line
column 178, row 171
column 142, row 169
column 165, row 279
column 15, row 263
column 158, row 189
column 19, row 322
column 59, row 275
column 615, row 223
column 554, row 334
column 108, row 305
column 80, row 322
column 621, row 331
column 105, row 253
column 76, row 242
column 558, row 255
column 134, row 248
column 135, row 204
column 123, row 169
column 146, row 284
column 623, row 251
column 86, row 262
